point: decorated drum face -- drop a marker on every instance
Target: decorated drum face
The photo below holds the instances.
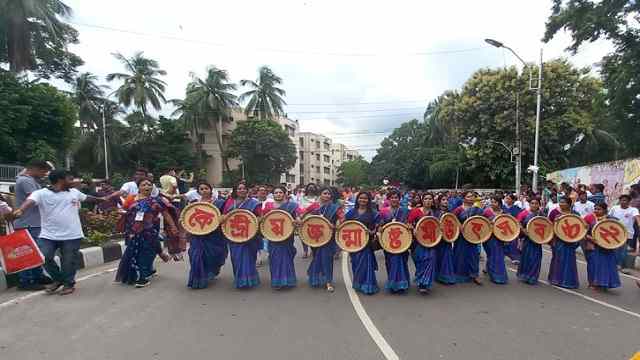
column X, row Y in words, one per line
column 395, row 237
column 352, row 236
column 570, row 228
column 316, row 230
column 506, row 228
column 277, row 225
column 540, row 230
column 477, row 229
column 200, row 218
column 240, row 226
column 427, row 231
column 610, row 234
column 450, row 226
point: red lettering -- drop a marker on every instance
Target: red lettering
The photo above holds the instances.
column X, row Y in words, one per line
column 449, row 229
column 505, row 228
column 240, row 225
column 352, row 237
column 570, row 230
column 476, row 228
column 277, row 226
column 201, row 218
column 539, row 229
column 429, row 231
column 394, row 238
column 611, row 232
column 315, row 231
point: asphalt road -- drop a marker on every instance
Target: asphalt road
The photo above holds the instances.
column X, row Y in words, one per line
column 103, row 320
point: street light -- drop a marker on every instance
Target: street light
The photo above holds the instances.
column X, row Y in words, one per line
column 534, row 168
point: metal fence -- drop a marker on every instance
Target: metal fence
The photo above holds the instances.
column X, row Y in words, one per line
column 9, row 172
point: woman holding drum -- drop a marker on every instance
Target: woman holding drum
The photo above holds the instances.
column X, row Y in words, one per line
column 466, row 256
column 282, row 253
column 397, row 263
column 494, row 248
column 602, row 270
column 563, row 271
column 424, row 257
column 445, row 272
column 363, row 262
column 531, row 257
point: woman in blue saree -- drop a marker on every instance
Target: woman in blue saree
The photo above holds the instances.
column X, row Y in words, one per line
column 602, row 270
column 425, row 258
column 495, row 248
column 141, row 227
column 282, row 253
column 320, row 270
column 563, row 271
column 466, row 257
column 397, row 264
column 531, row 255
column 445, row 272
column 207, row 253
column 363, row 262
column 243, row 255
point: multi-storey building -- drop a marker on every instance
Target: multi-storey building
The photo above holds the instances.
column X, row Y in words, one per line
column 320, row 158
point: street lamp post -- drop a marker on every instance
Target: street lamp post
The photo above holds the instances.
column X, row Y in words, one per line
column 104, row 139
column 534, row 168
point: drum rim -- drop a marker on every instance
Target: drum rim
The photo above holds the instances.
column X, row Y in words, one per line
column 584, row 223
column 184, row 211
column 614, row 221
column 276, row 211
column 551, row 234
column 253, row 216
column 483, row 219
column 388, row 225
column 349, row 222
column 314, row 216
column 510, row 217
column 459, row 227
column 415, row 231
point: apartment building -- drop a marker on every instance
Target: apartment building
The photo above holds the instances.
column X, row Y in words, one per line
column 320, row 158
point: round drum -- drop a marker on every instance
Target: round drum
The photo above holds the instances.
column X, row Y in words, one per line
column 450, row 226
column 240, row 226
column 316, row 230
column 352, row 236
column 610, row 234
column 277, row 225
column 428, row 232
column 477, row 229
column 395, row 237
column 570, row 228
column 200, row 218
column 506, row 228
column 540, row 230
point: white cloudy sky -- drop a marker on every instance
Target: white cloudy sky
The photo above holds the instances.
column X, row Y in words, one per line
column 389, row 58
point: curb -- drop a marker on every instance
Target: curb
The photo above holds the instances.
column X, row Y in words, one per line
column 89, row 257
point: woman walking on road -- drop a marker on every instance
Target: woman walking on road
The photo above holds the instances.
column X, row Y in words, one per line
column 466, row 255
column 531, row 258
column 445, row 272
column 363, row 263
column 425, row 258
column 563, row 271
column 602, row 268
column 397, row 264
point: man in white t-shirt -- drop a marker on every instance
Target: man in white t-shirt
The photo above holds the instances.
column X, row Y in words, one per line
column 131, row 187
column 61, row 229
column 628, row 216
column 583, row 206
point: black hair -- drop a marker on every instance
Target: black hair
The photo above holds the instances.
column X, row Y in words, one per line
column 38, row 164
column 142, row 170
column 625, row 196
column 143, row 179
column 234, row 190
column 56, row 175
column 369, row 200
column 599, row 187
column 326, row 188
column 497, row 198
column 512, row 197
column 394, row 192
column 601, row 205
column 565, row 199
column 281, row 187
column 205, row 183
column 434, row 205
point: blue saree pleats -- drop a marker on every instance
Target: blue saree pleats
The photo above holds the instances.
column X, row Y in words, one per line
column 563, row 271
column 207, row 254
column 466, row 260
column 530, row 262
column 425, row 260
column 136, row 263
column 364, row 267
column 283, row 271
column 320, row 270
column 511, row 250
column 243, row 259
column 397, row 271
column 445, row 272
column 605, row 269
column 496, row 268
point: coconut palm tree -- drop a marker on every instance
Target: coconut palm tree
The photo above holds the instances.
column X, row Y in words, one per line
column 265, row 97
column 141, row 85
column 19, row 17
column 89, row 97
column 210, row 101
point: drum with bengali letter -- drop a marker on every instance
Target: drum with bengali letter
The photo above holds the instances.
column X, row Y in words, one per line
column 316, row 230
column 506, row 228
column 610, row 234
column 240, row 226
column 277, row 225
column 540, row 230
column 427, row 231
column 395, row 237
column 570, row 228
column 450, row 226
column 352, row 236
column 477, row 229
column 200, row 218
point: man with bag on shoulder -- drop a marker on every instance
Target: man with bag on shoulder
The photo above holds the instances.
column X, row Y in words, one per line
column 28, row 182
column 61, row 229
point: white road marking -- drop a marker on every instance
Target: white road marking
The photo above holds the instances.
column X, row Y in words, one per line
column 375, row 334
column 585, row 263
column 588, row 298
column 37, row 293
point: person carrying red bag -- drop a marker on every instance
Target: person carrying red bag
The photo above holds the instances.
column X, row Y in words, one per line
column 61, row 229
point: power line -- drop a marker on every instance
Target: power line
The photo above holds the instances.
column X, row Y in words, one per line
column 355, row 111
column 275, row 50
column 360, row 103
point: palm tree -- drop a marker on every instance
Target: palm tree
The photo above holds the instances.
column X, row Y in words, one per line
column 89, row 97
column 141, row 84
column 265, row 98
column 210, row 101
column 19, row 18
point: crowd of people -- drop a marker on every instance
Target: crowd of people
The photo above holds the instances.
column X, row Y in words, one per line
column 151, row 229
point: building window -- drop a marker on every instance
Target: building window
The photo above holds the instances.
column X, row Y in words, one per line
column 301, row 168
column 291, row 179
column 301, row 155
column 318, row 157
column 317, row 144
column 301, row 141
column 327, row 146
column 327, row 170
column 327, row 182
column 327, row 158
column 201, row 138
column 318, row 170
column 349, row 157
column 301, row 180
column 291, row 131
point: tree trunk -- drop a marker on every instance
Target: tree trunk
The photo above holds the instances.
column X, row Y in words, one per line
column 223, row 156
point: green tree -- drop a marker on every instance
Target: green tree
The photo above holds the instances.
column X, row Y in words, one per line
column 141, row 84
column 264, row 148
column 615, row 21
column 89, row 98
column 209, row 102
column 353, row 173
column 36, row 120
column 33, row 37
column 265, row 97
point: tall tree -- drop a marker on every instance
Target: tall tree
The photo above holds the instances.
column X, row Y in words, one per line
column 210, row 102
column 265, row 97
column 33, row 37
column 141, row 84
column 353, row 172
column 89, row 98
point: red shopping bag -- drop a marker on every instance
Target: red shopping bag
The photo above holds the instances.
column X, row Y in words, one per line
column 19, row 252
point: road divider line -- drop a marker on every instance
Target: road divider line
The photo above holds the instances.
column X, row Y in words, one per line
column 37, row 293
column 588, row 298
column 368, row 324
column 585, row 263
